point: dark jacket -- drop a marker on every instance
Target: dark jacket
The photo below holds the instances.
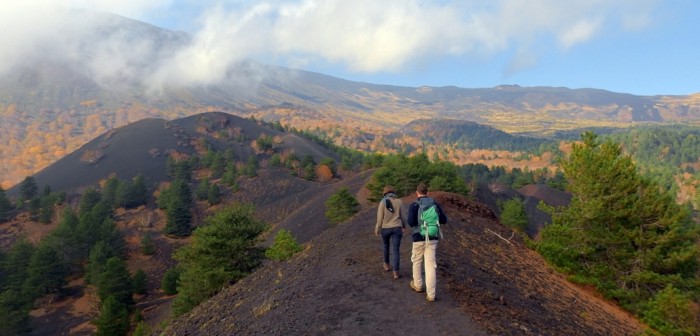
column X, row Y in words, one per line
column 412, row 220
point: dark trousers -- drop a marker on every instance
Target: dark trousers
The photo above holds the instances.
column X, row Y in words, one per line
column 392, row 237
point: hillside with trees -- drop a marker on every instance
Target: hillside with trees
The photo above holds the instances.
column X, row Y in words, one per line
column 188, row 238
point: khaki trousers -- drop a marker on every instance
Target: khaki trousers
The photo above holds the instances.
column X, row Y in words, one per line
column 422, row 253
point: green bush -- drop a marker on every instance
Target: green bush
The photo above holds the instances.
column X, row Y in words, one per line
column 672, row 313
column 513, row 214
column 405, row 173
column 341, row 206
column 221, row 251
column 284, row 247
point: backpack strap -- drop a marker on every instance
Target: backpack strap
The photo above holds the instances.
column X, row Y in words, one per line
column 388, row 204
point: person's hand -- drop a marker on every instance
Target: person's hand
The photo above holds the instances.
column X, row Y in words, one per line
column 376, row 233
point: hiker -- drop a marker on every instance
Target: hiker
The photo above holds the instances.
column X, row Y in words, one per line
column 424, row 243
column 391, row 223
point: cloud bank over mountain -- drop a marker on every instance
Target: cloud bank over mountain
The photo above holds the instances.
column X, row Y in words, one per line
column 362, row 36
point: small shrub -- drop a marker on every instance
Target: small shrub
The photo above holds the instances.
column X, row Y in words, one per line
column 284, row 247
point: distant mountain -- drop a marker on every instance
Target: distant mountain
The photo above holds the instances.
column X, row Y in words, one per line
column 465, row 135
column 54, row 103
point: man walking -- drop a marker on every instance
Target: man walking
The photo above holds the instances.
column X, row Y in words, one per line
column 425, row 239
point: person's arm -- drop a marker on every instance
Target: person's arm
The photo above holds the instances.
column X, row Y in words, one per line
column 412, row 219
column 380, row 218
column 401, row 216
column 442, row 218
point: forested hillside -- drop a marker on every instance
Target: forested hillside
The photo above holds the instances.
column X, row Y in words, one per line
column 669, row 155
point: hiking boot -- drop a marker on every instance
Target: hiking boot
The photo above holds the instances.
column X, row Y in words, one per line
column 396, row 275
column 430, row 299
column 419, row 290
column 386, row 267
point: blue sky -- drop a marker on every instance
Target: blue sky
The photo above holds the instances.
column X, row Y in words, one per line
column 641, row 47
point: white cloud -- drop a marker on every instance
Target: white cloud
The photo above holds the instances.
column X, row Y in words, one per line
column 362, row 35
column 579, row 32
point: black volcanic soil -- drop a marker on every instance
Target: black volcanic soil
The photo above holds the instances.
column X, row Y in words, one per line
column 486, row 286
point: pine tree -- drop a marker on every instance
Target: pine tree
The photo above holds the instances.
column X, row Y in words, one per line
column 231, row 175
column 14, row 313
column 109, row 191
column 34, row 208
column 65, row 239
column 138, row 192
column 218, row 165
column 251, row 167
column 46, row 204
column 169, row 282
column 121, row 195
column 148, row 247
column 179, row 219
column 113, row 319
column 222, row 250
column 16, row 265
column 115, row 281
column 214, row 194
column 5, row 206
column 89, row 199
column 202, row 189
column 28, row 189
column 341, row 206
column 99, row 254
column 620, row 231
column 46, row 272
column 513, row 214
column 140, row 282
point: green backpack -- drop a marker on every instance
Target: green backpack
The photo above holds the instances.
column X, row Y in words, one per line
column 429, row 219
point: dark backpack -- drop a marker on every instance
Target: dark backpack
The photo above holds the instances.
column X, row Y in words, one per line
column 428, row 218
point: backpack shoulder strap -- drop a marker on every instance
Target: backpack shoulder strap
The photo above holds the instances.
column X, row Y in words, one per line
column 387, row 203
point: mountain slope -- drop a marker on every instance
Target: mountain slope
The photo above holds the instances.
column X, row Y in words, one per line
column 143, row 148
column 337, row 286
